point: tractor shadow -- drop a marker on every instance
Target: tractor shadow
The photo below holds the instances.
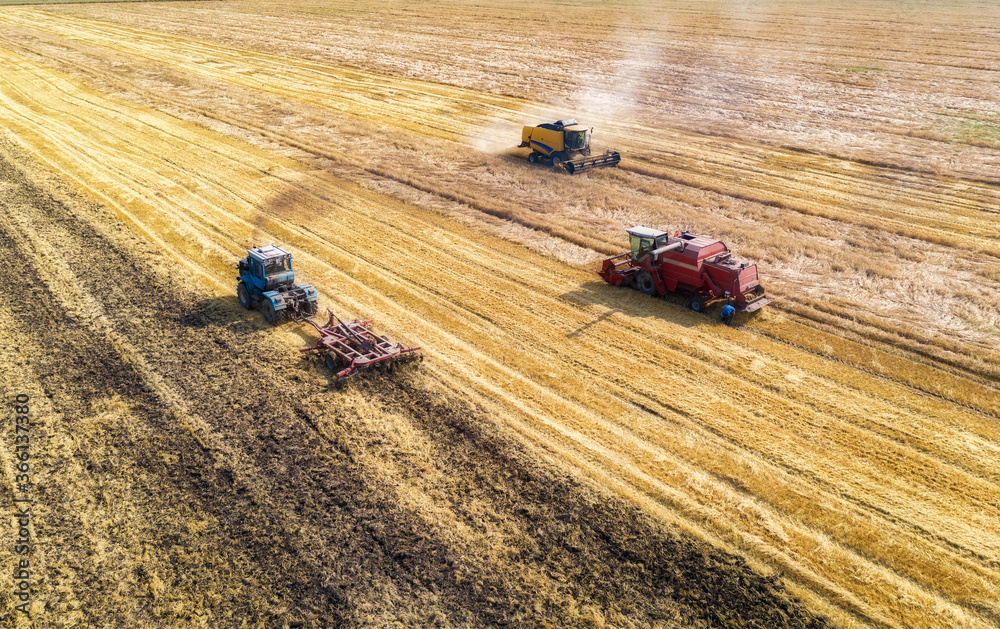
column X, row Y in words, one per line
column 628, row 301
column 224, row 312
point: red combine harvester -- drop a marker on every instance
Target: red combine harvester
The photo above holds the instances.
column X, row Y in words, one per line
column 700, row 267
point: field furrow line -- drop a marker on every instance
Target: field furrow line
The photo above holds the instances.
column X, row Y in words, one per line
column 501, row 212
column 624, row 360
column 348, row 91
column 724, row 179
column 865, row 477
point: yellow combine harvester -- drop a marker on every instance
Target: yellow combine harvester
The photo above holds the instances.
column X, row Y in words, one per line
column 566, row 143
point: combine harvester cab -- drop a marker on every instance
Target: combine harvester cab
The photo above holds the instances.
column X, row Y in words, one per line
column 700, row 267
column 267, row 280
column 565, row 143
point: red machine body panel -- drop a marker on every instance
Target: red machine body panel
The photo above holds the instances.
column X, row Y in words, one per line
column 698, row 266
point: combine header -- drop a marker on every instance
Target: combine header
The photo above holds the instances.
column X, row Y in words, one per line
column 565, row 143
column 349, row 348
column 611, row 158
column 266, row 280
column 700, row 267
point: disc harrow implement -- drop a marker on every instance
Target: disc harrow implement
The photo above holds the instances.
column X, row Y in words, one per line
column 352, row 347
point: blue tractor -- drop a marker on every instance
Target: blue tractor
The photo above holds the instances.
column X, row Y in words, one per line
column 267, row 281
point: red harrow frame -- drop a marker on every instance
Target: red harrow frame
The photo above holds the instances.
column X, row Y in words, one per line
column 349, row 348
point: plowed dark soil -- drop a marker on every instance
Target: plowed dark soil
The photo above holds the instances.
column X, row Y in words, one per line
column 202, row 475
column 561, row 435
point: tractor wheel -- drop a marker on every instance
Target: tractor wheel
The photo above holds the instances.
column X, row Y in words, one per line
column 644, row 282
column 268, row 309
column 533, row 157
column 244, row 295
column 558, row 158
column 697, row 303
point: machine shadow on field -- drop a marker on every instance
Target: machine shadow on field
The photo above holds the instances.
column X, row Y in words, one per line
column 226, row 312
column 223, row 312
column 633, row 303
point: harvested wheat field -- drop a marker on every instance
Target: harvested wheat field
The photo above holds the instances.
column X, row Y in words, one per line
column 568, row 453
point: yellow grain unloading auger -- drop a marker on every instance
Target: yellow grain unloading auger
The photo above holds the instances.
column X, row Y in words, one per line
column 566, row 143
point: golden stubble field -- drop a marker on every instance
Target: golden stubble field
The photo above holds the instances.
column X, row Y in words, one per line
column 568, row 454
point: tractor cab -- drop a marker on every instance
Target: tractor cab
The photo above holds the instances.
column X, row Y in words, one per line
column 644, row 240
column 268, row 267
column 267, row 280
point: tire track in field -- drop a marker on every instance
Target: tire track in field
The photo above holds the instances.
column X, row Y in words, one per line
column 624, row 363
column 570, row 427
column 691, row 168
column 322, row 530
column 848, row 195
column 881, row 197
column 414, row 105
column 908, row 384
